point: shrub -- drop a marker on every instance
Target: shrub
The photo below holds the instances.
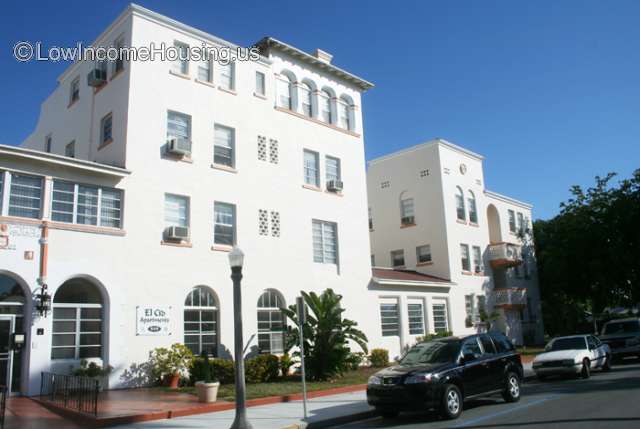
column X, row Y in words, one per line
column 221, row 370
column 92, row 369
column 202, row 370
column 262, row 368
column 286, row 362
column 166, row 362
column 354, row 360
column 379, row 358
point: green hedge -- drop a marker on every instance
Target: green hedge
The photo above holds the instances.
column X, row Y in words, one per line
column 259, row 369
column 379, row 358
column 262, row 368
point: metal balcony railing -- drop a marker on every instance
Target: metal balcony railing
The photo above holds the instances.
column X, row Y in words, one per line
column 504, row 255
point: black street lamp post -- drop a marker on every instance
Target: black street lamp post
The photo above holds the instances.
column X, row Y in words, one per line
column 236, row 259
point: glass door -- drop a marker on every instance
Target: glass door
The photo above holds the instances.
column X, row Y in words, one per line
column 6, row 354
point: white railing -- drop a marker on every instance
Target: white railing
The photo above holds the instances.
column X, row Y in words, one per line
column 504, row 254
column 510, row 296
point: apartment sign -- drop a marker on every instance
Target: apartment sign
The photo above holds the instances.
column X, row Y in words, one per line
column 153, row 320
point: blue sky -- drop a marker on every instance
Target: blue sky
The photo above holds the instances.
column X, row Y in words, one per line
column 548, row 91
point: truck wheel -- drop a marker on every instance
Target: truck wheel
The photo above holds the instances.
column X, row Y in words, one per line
column 451, row 407
column 511, row 393
column 607, row 363
column 586, row 369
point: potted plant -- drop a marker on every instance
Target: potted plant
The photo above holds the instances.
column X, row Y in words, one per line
column 169, row 364
column 94, row 371
column 207, row 388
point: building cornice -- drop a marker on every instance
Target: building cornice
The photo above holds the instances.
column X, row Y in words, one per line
column 507, row 200
column 62, row 161
column 434, row 142
column 269, row 42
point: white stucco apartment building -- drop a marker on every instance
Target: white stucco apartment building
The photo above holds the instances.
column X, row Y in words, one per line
column 140, row 177
column 430, row 213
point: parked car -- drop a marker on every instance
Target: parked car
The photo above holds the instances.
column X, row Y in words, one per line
column 622, row 336
column 441, row 374
column 572, row 355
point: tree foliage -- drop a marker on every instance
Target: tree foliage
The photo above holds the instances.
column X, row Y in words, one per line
column 326, row 335
column 589, row 254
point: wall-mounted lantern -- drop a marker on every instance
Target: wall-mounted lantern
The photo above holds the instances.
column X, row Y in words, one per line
column 44, row 301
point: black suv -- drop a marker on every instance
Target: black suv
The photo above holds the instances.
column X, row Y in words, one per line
column 441, row 374
column 622, row 336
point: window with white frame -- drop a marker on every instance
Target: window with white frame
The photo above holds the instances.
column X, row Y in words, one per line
column 415, row 318
column 423, row 254
column 226, row 75
column 332, row 168
column 224, row 146
column 389, row 318
column 325, row 242
column 86, row 204
column 440, row 318
column 468, row 306
column 460, row 212
column 325, row 107
column 512, row 220
column 47, row 143
column 25, row 196
column 176, row 210
column 178, row 125
column 464, row 257
column 118, row 64
column 482, row 305
column 70, row 149
column 520, row 223
column 311, row 168
column 74, row 90
column 477, row 259
column 260, row 83
column 271, row 324
column 201, row 321
column 306, row 100
column 473, row 210
column 407, row 212
column 77, row 321
column 106, row 128
column 204, row 68
column 285, row 92
column 225, row 224
column 397, row 258
column 181, row 63
column 343, row 114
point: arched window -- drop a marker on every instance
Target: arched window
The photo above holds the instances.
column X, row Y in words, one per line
column 77, row 321
column 345, row 113
column 325, row 106
column 271, row 322
column 460, row 204
column 473, row 210
column 285, row 92
column 306, row 100
column 201, row 321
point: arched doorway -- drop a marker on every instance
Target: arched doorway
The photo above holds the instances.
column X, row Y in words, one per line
column 12, row 315
column 493, row 218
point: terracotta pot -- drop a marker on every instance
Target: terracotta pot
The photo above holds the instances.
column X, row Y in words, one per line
column 207, row 392
column 173, row 381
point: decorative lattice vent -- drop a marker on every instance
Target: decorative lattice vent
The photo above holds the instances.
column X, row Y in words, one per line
column 263, row 222
column 275, row 224
column 273, row 151
column 262, row 148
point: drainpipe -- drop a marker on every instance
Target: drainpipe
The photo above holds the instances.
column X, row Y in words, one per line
column 44, row 252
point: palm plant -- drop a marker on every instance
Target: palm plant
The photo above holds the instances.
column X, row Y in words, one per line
column 326, row 335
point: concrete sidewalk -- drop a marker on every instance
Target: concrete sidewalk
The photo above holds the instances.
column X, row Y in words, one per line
column 322, row 412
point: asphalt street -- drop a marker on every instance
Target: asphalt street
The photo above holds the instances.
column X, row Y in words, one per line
column 606, row 400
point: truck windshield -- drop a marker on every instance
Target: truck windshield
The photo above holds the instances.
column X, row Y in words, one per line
column 577, row 343
column 432, row 352
column 622, row 327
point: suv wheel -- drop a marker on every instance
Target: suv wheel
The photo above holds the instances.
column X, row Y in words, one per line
column 586, row 369
column 607, row 363
column 451, row 402
column 388, row 414
column 511, row 393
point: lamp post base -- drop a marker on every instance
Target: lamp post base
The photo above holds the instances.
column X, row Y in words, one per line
column 241, row 423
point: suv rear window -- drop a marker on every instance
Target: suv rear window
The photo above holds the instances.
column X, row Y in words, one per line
column 628, row 327
column 503, row 345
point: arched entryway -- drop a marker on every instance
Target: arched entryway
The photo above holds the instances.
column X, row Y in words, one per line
column 493, row 218
column 13, row 311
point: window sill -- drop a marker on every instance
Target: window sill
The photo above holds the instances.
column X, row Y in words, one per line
column 312, row 188
column 407, row 225
column 260, row 96
column 116, row 74
column 180, row 75
column 105, row 144
column 467, row 273
column 424, row 264
column 474, row 224
column 178, row 158
column 399, row 267
column 224, row 168
column 72, row 103
column 337, row 194
column 97, row 89
column 480, row 274
column 176, row 243
column 227, row 90
column 221, row 248
column 84, row 228
column 461, row 222
column 316, row 121
column 205, row 83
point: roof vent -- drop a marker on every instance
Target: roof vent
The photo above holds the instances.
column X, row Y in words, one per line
column 323, row 56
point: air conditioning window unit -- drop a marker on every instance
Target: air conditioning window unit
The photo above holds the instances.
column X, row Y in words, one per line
column 97, row 77
column 177, row 233
column 335, row 185
column 408, row 220
column 179, row 146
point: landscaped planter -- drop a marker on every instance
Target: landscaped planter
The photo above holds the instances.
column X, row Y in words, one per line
column 207, row 392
